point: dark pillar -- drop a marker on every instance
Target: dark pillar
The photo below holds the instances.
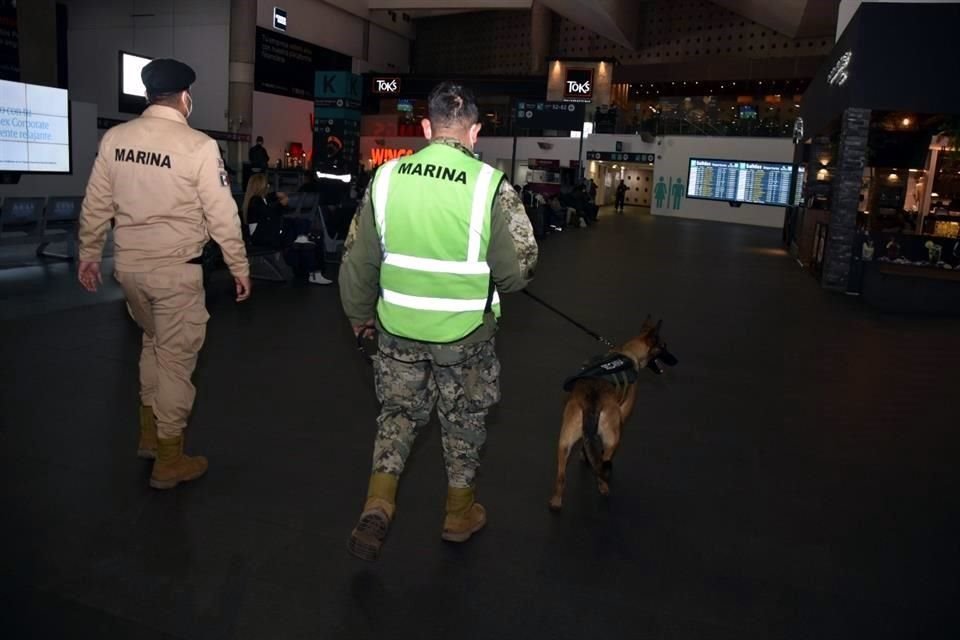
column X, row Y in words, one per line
column 243, row 28
column 541, row 22
column 847, row 179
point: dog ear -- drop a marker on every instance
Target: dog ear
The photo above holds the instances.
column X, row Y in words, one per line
column 647, row 323
column 659, row 325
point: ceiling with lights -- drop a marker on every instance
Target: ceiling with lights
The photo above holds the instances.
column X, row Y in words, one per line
column 616, row 19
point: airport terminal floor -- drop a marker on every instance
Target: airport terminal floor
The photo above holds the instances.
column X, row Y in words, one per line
column 793, row 477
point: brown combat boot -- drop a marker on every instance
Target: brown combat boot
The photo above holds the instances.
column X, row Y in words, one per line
column 464, row 516
column 147, row 449
column 367, row 537
column 172, row 467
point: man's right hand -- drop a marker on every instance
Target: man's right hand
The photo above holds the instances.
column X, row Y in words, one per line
column 89, row 275
column 243, row 287
column 364, row 328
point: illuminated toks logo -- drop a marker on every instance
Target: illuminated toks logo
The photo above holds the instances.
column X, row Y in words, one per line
column 386, row 85
column 578, row 85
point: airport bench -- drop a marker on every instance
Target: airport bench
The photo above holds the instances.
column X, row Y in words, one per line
column 41, row 221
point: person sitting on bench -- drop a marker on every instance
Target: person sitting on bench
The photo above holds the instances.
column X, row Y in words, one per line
column 263, row 215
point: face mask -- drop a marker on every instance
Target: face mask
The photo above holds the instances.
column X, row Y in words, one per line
column 189, row 105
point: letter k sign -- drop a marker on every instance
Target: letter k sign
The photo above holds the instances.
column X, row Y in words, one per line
column 328, row 81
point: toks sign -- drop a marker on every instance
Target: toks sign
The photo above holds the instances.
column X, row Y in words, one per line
column 385, row 86
column 578, row 85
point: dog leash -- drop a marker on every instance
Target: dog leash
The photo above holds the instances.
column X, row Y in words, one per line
column 593, row 334
column 653, row 365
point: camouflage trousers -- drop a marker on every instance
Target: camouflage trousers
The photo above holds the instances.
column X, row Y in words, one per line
column 463, row 381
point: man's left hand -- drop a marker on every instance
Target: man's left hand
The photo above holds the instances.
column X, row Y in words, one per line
column 89, row 275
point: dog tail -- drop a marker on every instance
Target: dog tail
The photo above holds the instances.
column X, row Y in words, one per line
column 592, row 444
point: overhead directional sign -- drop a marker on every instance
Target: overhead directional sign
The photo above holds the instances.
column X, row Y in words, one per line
column 621, row 157
column 336, row 120
column 560, row 116
column 337, row 89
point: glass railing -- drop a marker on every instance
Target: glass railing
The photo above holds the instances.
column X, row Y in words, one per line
column 680, row 126
column 704, row 116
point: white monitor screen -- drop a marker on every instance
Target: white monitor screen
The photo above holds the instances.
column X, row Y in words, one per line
column 130, row 68
column 34, row 128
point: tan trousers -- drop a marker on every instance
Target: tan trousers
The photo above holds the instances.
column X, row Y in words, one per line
column 169, row 305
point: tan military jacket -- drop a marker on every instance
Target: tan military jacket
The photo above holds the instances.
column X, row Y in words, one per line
column 166, row 186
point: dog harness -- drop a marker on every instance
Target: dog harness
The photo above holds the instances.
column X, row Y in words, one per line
column 615, row 368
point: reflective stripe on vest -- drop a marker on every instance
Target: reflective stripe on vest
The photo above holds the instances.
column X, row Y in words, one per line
column 425, row 295
column 437, row 304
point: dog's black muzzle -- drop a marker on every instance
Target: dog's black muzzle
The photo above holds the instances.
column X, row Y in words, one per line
column 663, row 357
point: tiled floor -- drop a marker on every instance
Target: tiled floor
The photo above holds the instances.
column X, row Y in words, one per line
column 795, row 477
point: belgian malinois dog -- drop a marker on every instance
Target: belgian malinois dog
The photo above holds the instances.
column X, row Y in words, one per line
column 601, row 400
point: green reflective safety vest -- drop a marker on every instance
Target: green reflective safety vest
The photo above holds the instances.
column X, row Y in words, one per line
column 432, row 211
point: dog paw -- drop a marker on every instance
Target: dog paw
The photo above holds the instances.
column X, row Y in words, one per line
column 555, row 504
column 604, row 489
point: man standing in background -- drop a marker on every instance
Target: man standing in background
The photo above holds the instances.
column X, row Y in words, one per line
column 259, row 158
column 621, row 196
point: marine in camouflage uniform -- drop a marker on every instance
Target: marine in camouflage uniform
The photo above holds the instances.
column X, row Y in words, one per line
column 461, row 378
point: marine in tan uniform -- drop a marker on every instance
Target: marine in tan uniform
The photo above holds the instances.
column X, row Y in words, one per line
column 165, row 186
column 428, row 357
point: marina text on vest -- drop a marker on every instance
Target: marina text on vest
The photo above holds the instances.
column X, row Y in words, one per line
column 432, row 171
column 142, row 157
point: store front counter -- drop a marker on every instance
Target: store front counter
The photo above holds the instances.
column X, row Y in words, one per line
column 906, row 288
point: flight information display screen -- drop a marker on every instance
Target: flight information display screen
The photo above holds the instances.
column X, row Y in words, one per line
column 765, row 183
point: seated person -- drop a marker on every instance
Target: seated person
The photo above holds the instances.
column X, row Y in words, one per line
column 556, row 213
column 585, row 208
column 263, row 219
